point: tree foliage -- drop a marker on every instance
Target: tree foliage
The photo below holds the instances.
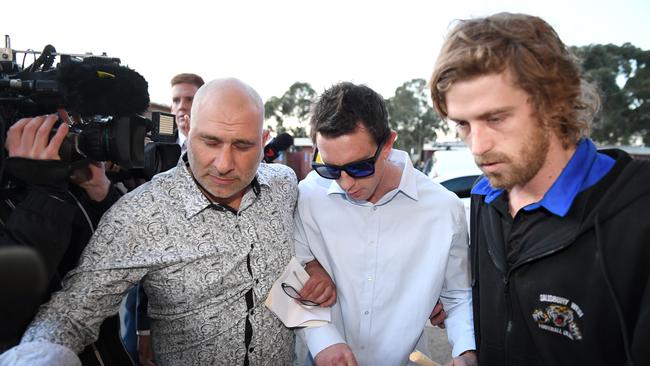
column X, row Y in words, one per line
column 293, row 104
column 622, row 75
column 412, row 116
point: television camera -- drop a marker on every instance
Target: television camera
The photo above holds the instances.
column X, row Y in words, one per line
column 103, row 100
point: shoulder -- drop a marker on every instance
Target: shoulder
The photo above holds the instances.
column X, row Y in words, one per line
column 434, row 193
column 276, row 172
column 279, row 177
column 314, row 184
column 152, row 193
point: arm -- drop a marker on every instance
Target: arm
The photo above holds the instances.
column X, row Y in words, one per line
column 317, row 338
column 456, row 295
column 34, row 160
column 92, row 291
column 319, row 288
column 336, row 355
column 641, row 331
column 438, row 316
column 145, row 349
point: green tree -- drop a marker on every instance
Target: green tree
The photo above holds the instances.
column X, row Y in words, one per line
column 293, row 104
column 622, row 75
column 413, row 118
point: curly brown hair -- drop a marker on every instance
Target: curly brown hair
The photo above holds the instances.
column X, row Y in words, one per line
column 541, row 65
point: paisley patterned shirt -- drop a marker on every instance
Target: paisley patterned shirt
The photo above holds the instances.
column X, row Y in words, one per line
column 205, row 268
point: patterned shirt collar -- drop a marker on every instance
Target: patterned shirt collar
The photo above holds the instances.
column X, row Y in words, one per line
column 195, row 201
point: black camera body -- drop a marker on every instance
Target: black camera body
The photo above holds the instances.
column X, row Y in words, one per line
column 104, row 99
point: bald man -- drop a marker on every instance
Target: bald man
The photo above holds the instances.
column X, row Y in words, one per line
column 207, row 238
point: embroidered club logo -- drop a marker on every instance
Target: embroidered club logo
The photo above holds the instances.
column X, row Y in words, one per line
column 558, row 315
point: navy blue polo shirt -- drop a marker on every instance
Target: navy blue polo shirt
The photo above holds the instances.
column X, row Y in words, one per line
column 585, row 168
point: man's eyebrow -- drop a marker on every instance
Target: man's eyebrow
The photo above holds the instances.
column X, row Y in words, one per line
column 217, row 139
column 492, row 112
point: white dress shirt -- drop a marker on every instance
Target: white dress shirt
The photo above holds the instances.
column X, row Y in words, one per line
column 391, row 261
column 182, row 142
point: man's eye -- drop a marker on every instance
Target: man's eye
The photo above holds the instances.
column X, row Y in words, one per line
column 243, row 146
column 210, row 142
column 462, row 125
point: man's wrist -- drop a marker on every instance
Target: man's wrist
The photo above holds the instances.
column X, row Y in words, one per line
column 468, row 351
column 99, row 191
column 312, row 266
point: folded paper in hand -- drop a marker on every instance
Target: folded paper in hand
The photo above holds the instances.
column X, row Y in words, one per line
column 291, row 312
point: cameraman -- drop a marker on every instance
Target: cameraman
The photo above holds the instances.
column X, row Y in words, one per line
column 40, row 209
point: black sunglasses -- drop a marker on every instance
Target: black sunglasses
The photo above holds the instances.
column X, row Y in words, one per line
column 357, row 169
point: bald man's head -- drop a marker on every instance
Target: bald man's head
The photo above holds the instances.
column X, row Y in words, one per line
column 228, row 91
column 226, row 139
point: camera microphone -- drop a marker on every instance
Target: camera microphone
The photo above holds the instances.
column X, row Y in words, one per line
column 92, row 88
column 279, row 143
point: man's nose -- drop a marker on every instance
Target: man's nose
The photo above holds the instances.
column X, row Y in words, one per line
column 345, row 181
column 224, row 161
column 479, row 140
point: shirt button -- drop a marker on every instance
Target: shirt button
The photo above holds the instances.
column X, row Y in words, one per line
column 374, row 208
column 366, row 312
column 363, row 347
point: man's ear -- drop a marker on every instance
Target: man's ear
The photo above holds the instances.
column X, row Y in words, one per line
column 389, row 142
column 265, row 136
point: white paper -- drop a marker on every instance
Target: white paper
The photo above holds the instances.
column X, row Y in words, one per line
column 291, row 312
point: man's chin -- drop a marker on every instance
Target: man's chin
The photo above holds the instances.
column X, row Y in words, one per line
column 498, row 181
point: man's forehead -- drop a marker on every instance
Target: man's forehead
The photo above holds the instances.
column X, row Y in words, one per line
column 483, row 95
column 345, row 148
column 184, row 88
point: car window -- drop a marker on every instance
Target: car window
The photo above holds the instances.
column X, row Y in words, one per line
column 461, row 185
column 456, row 162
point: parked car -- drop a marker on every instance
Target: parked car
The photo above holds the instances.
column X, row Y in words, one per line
column 461, row 185
column 455, row 170
column 455, row 161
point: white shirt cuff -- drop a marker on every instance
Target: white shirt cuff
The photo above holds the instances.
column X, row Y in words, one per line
column 39, row 354
column 319, row 338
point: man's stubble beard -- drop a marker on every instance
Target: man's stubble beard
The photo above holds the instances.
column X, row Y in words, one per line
column 519, row 170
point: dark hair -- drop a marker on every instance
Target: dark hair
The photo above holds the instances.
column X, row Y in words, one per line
column 189, row 79
column 342, row 107
column 540, row 64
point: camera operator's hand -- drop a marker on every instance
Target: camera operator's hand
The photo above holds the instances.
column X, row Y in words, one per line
column 30, row 138
column 93, row 180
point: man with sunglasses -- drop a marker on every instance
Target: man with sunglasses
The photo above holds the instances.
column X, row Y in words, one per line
column 207, row 239
column 391, row 239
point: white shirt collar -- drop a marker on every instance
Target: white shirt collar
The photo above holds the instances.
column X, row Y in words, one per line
column 407, row 184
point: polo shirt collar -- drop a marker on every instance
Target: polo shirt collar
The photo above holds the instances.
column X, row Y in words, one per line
column 585, row 168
